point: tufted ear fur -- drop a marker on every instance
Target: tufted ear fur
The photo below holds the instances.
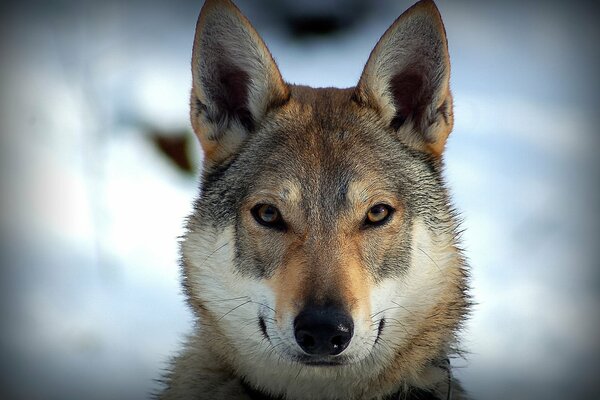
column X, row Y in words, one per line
column 235, row 80
column 407, row 79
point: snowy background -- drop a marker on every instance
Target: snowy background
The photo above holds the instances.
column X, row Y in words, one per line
column 91, row 208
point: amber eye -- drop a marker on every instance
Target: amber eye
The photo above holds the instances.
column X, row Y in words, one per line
column 378, row 214
column 268, row 215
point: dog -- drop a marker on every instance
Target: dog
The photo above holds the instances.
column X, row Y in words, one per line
column 322, row 257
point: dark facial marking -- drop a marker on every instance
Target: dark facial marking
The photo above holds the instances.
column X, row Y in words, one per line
column 380, row 329
column 263, row 327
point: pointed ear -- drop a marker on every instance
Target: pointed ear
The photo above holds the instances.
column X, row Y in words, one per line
column 406, row 79
column 235, row 80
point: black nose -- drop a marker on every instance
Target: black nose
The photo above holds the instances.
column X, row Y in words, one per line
column 323, row 331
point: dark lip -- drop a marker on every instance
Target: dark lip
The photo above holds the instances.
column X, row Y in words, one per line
column 320, row 362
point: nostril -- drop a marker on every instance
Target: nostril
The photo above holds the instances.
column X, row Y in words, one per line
column 337, row 341
column 305, row 340
column 340, row 342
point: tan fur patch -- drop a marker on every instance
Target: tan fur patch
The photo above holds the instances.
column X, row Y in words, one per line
column 354, row 278
column 289, row 284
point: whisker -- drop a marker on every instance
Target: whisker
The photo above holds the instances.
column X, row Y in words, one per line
column 214, row 252
column 233, row 309
column 384, row 310
column 233, row 298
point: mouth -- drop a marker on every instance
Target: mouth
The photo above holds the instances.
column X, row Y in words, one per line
column 321, row 362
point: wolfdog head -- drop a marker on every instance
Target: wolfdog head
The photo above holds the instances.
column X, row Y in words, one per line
column 321, row 257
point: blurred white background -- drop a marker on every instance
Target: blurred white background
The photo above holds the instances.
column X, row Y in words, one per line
column 91, row 208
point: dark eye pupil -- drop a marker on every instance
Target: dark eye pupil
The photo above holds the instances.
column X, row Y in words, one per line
column 269, row 216
column 377, row 210
column 268, row 213
column 378, row 214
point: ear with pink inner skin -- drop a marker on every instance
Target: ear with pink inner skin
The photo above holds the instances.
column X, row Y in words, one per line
column 235, row 80
column 406, row 79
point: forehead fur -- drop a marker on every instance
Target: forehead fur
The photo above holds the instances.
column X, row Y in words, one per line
column 322, row 140
column 321, row 137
